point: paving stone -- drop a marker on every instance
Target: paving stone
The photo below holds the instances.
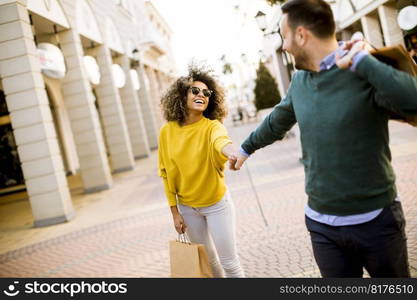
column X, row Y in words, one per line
column 124, row 232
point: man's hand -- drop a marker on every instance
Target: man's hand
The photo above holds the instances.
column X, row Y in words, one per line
column 236, row 161
column 353, row 47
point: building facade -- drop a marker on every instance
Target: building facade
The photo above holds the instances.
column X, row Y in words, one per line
column 80, row 83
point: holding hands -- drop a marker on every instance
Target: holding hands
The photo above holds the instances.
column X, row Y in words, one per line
column 235, row 157
column 236, row 161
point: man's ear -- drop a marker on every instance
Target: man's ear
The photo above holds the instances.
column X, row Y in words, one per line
column 301, row 35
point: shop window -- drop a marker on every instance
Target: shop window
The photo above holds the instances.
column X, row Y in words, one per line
column 10, row 169
column 3, row 105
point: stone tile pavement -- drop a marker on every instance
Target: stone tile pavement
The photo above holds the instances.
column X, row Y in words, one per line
column 124, row 232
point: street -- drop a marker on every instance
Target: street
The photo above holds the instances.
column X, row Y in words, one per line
column 124, row 231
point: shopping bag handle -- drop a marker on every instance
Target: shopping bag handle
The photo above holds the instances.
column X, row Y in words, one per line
column 183, row 238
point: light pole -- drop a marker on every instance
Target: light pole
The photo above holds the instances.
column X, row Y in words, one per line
column 136, row 58
column 273, row 37
column 260, row 18
column 280, row 64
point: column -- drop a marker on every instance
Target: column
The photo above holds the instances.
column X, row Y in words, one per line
column 393, row 34
column 283, row 77
column 345, row 35
column 133, row 114
column 115, row 128
column 147, row 109
column 155, row 96
column 372, row 30
column 163, row 82
column 85, row 124
column 31, row 118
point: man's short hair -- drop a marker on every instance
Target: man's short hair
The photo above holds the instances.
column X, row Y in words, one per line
column 315, row 15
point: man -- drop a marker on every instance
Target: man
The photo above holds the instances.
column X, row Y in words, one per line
column 340, row 98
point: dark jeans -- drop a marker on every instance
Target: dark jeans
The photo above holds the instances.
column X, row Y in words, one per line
column 379, row 246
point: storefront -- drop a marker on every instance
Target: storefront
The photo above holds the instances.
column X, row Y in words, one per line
column 74, row 105
column 11, row 175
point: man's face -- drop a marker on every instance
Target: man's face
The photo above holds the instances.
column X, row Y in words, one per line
column 291, row 44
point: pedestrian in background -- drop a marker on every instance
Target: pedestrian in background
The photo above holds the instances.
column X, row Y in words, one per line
column 341, row 98
column 193, row 149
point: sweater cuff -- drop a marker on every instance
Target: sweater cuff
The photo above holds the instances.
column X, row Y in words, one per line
column 357, row 58
column 367, row 66
column 243, row 152
column 171, row 197
column 172, row 200
column 220, row 144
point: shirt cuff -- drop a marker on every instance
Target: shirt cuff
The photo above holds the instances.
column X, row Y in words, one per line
column 243, row 152
column 357, row 58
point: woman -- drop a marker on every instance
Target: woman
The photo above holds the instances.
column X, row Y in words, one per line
column 193, row 148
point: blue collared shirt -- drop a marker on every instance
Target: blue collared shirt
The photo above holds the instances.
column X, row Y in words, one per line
column 330, row 60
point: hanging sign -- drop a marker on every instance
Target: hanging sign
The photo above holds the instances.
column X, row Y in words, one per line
column 92, row 68
column 118, row 75
column 135, row 79
column 51, row 60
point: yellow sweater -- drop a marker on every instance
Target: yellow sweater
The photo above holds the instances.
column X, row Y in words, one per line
column 191, row 162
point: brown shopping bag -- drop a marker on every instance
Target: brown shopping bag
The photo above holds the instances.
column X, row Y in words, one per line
column 188, row 260
column 398, row 57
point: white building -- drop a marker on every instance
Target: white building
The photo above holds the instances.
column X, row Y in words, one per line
column 66, row 118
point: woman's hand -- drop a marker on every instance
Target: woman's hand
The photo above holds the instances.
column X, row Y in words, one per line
column 179, row 223
column 229, row 150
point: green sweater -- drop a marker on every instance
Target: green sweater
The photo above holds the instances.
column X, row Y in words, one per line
column 343, row 121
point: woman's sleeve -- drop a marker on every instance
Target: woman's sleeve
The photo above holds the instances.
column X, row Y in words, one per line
column 219, row 139
column 172, row 199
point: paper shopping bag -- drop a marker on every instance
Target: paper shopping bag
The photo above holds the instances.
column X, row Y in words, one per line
column 189, row 260
column 398, row 57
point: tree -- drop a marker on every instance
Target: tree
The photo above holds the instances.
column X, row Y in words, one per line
column 227, row 68
column 266, row 91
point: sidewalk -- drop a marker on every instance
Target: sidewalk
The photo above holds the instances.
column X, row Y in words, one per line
column 124, row 232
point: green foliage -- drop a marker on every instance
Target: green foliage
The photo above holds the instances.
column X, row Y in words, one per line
column 227, row 68
column 266, row 91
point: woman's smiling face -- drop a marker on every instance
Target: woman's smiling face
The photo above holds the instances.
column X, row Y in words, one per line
column 198, row 102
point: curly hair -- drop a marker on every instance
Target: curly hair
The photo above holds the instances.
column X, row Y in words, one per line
column 174, row 102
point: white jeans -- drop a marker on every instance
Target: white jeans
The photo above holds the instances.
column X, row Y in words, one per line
column 215, row 223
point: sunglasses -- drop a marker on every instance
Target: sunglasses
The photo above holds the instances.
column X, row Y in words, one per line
column 196, row 90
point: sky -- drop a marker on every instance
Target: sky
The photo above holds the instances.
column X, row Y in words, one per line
column 204, row 30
